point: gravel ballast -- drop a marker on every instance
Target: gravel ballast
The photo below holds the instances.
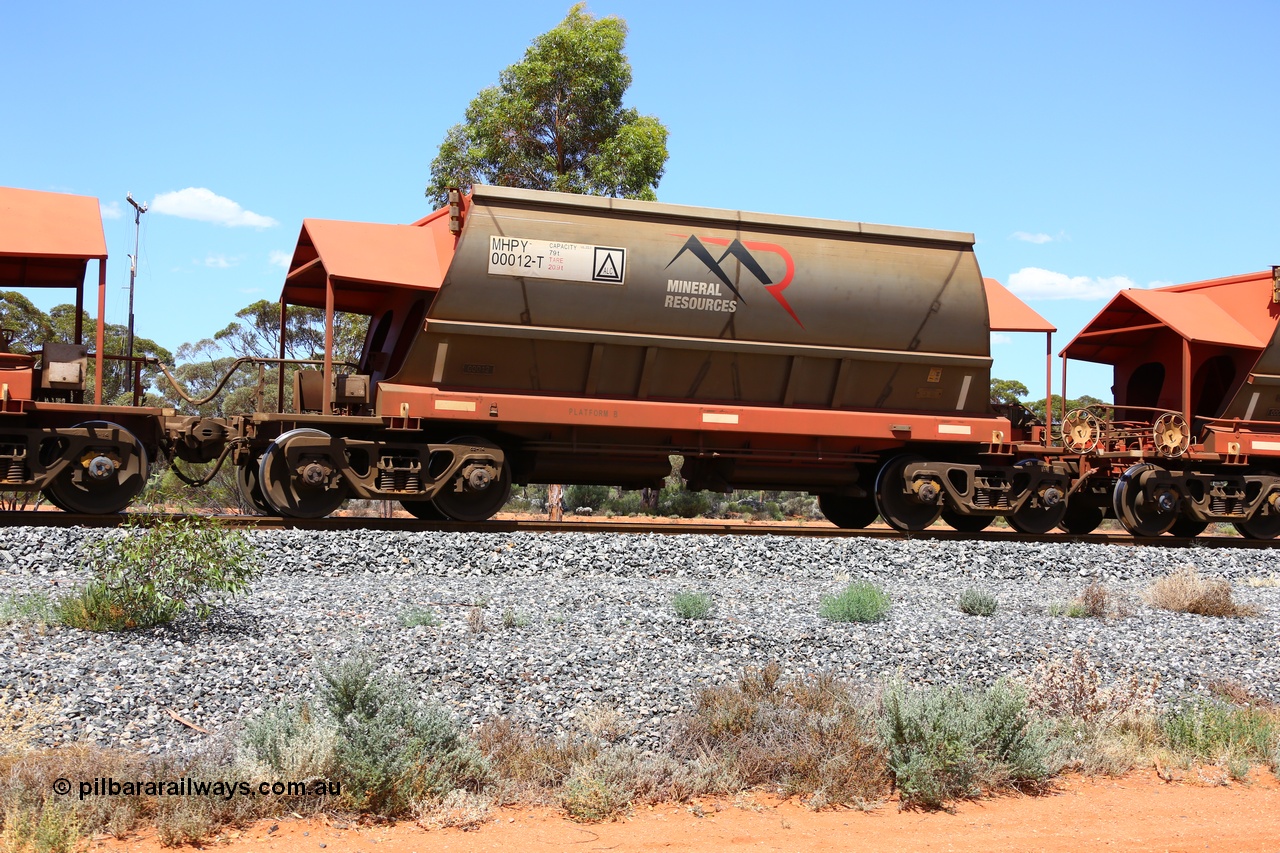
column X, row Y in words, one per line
column 590, row 625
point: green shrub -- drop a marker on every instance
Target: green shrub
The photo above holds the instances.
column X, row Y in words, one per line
column 799, row 505
column 589, row 797
column 976, row 602
column 158, row 570
column 626, row 503
column 1212, row 731
column 389, row 750
column 950, row 743
column 51, row 829
column 35, row 608
column 290, row 741
column 691, row 605
column 590, row 496
column 1071, row 609
column 513, row 619
column 419, row 617
column 861, row 601
column 684, row 503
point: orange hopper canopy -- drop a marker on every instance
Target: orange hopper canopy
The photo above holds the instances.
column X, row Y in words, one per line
column 46, row 239
column 1132, row 318
column 1011, row 314
column 364, row 260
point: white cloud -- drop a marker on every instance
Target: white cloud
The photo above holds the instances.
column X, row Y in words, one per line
column 280, row 259
column 1035, row 283
column 204, row 205
column 220, row 262
column 1028, row 237
column 111, row 210
column 1000, row 338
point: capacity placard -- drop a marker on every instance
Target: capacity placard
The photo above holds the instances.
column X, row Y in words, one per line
column 563, row 261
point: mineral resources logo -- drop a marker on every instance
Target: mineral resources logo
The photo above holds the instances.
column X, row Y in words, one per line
column 707, row 295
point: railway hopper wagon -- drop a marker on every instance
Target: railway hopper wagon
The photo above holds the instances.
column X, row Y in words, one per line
column 521, row 336
column 1193, row 436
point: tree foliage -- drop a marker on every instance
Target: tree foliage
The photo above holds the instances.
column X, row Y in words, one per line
column 256, row 334
column 27, row 327
column 1011, row 392
column 30, row 329
column 1008, row 391
column 555, row 121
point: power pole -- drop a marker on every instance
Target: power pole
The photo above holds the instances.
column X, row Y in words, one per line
column 138, row 209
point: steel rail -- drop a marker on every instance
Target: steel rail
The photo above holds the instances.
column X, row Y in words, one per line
column 52, row 518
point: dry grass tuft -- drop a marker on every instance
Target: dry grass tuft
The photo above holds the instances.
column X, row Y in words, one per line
column 1073, row 688
column 1185, row 591
column 460, row 809
column 530, row 764
column 808, row 736
column 604, row 723
column 1098, row 730
column 1095, row 600
column 1235, row 693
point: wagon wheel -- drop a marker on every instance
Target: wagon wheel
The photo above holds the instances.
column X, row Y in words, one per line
column 475, row 493
column 966, row 523
column 1042, row 511
column 424, row 510
column 1265, row 521
column 1080, row 431
column 103, row 480
column 848, row 512
column 249, row 487
column 1187, row 528
column 899, row 504
column 1172, row 438
column 1035, row 516
column 1142, row 514
column 1081, row 518
column 313, row 491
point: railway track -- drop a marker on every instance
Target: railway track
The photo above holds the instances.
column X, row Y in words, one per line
column 666, row 528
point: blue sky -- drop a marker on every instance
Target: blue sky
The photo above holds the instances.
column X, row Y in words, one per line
column 1089, row 146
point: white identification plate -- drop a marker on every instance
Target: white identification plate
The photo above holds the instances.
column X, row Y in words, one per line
column 564, row 261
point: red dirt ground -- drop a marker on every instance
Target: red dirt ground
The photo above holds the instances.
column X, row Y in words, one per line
column 1139, row 812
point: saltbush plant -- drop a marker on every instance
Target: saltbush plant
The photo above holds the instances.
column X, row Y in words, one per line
column 390, row 750
column 691, row 605
column 977, row 602
column 861, row 601
column 158, row 569
column 949, row 743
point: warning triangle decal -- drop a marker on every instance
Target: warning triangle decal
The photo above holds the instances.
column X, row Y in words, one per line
column 608, row 269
